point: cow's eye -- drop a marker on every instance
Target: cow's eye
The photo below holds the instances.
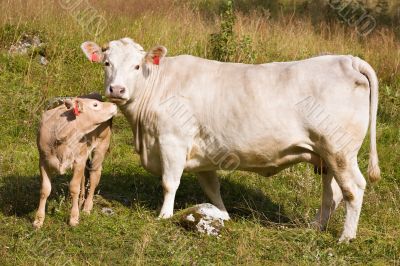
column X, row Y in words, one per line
column 106, row 63
column 137, row 67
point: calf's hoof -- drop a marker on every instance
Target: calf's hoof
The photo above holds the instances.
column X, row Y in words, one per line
column 73, row 221
column 37, row 224
column 86, row 211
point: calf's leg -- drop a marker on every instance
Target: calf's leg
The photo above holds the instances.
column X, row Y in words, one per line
column 83, row 190
column 74, row 189
column 44, row 194
column 210, row 183
column 95, row 172
column 94, row 181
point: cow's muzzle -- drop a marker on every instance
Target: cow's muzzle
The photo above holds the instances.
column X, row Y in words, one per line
column 116, row 94
column 116, row 91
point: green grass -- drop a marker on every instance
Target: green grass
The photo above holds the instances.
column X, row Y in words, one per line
column 270, row 215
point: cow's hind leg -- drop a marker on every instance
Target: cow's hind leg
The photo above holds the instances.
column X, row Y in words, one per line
column 352, row 183
column 331, row 197
column 210, row 183
column 44, row 194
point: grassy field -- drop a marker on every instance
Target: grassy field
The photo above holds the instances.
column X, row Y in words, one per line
column 270, row 215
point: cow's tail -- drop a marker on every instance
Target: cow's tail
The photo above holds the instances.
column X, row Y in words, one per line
column 374, row 173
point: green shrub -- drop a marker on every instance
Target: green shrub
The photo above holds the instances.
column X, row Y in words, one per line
column 225, row 45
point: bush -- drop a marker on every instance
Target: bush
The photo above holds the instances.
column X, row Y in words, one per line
column 225, row 45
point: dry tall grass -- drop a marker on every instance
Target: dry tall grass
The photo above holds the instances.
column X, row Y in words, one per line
column 184, row 30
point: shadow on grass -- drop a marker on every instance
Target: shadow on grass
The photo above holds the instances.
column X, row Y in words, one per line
column 19, row 195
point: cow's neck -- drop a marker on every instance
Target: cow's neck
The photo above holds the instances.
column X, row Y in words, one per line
column 140, row 112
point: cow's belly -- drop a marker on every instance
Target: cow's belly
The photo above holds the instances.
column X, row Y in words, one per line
column 266, row 157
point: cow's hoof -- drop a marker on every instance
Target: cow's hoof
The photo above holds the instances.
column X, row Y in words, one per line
column 73, row 221
column 225, row 215
column 164, row 216
column 316, row 225
column 345, row 239
column 37, row 224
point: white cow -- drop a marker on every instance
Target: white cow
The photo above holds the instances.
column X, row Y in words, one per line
column 198, row 115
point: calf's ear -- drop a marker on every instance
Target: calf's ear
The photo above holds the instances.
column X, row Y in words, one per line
column 92, row 51
column 76, row 105
column 68, row 103
column 155, row 54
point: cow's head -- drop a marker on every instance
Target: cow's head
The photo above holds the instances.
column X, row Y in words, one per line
column 124, row 62
column 90, row 112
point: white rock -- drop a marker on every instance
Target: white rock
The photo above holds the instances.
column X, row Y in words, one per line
column 204, row 218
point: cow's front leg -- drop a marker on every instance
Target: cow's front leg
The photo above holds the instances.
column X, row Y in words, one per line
column 173, row 158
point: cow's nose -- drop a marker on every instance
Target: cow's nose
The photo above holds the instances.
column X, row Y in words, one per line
column 117, row 91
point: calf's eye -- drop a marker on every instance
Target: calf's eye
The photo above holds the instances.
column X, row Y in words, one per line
column 95, row 104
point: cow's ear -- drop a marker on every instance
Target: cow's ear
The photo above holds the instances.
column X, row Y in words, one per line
column 92, row 51
column 155, row 54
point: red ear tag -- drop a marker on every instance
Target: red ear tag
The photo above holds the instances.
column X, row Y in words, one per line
column 94, row 57
column 76, row 109
column 156, row 60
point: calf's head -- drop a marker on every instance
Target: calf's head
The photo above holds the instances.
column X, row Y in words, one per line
column 125, row 62
column 90, row 112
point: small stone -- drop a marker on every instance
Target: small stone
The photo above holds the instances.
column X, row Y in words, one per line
column 36, row 41
column 27, row 44
column 190, row 218
column 43, row 61
column 107, row 211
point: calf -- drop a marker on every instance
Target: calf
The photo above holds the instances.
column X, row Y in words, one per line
column 68, row 134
